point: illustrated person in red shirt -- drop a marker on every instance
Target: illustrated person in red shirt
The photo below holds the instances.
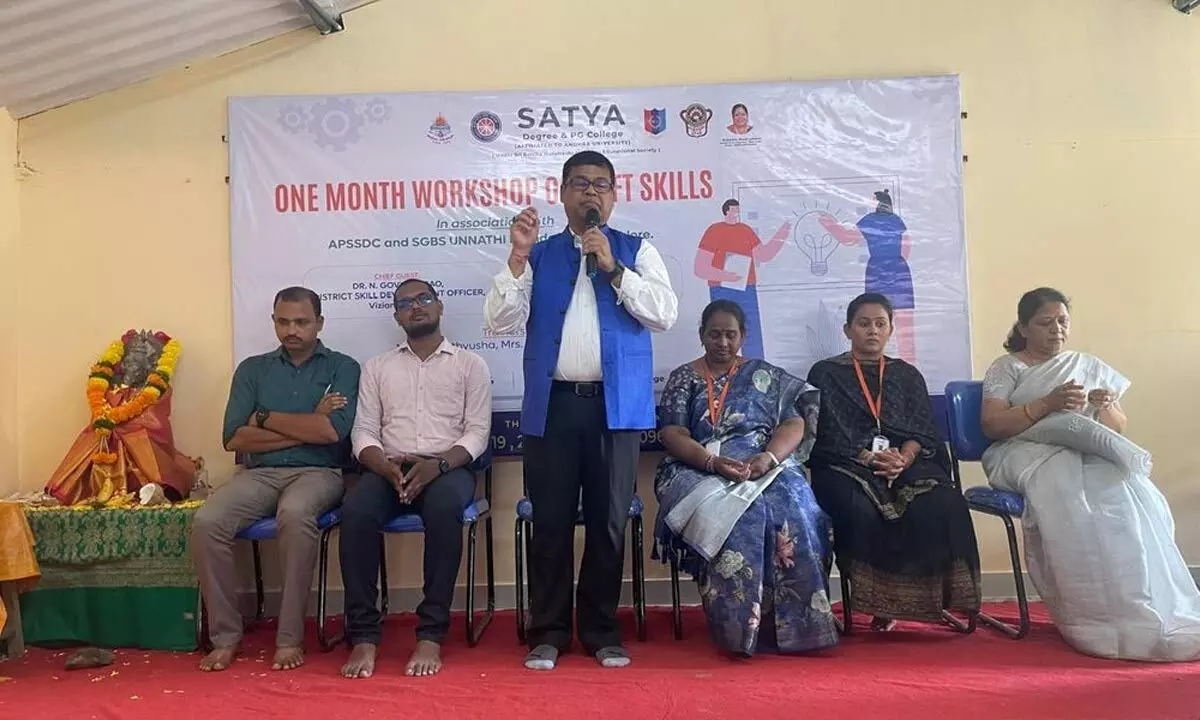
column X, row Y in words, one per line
column 734, row 243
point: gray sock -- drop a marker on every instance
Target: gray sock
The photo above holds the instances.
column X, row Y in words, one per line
column 613, row 656
column 542, row 657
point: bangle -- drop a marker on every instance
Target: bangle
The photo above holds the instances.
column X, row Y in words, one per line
column 1028, row 414
column 774, row 459
column 710, row 463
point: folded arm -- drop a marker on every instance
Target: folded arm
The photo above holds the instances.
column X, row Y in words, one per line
column 248, row 439
column 646, row 292
column 305, row 428
column 320, row 428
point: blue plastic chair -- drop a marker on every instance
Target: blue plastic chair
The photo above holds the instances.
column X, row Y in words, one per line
column 964, row 405
column 265, row 529
column 524, row 528
column 480, row 509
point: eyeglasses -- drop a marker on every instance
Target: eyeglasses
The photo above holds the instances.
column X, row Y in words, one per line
column 602, row 185
column 407, row 303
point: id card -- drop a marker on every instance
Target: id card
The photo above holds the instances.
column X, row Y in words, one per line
column 879, row 444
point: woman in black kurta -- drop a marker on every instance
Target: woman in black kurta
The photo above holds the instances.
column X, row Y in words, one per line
column 902, row 531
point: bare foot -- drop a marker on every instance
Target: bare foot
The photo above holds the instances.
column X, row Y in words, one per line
column 425, row 660
column 288, row 658
column 361, row 663
column 218, row 659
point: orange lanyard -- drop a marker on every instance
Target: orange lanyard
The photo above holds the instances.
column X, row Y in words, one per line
column 716, row 404
column 874, row 405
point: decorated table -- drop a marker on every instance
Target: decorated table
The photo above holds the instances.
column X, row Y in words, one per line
column 113, row 577
column 113, row 549
column 18, row 572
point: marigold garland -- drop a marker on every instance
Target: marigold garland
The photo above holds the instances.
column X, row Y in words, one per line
column 105, row 417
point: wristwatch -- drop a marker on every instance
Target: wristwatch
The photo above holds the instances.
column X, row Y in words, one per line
column 261, row 416
column 616, row 272
column 443, row 465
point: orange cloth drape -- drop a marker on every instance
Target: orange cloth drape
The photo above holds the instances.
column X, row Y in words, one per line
column 17, row 560
column 145, row 449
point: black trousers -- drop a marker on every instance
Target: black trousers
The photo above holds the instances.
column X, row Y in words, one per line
column 578, row 452
column 370, row 504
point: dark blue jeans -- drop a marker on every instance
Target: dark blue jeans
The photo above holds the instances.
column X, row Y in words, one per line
column 370, row 504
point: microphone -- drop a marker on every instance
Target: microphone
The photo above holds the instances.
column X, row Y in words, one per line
column 593, row 220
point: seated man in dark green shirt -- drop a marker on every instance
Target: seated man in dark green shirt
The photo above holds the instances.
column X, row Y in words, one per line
column 289, row 414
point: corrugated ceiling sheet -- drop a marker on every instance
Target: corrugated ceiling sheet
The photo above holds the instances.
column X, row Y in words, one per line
column 53, row 52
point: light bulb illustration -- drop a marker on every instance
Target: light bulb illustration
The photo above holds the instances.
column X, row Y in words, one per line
column 814, row 241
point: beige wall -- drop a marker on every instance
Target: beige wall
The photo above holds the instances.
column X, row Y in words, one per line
column 10, row 228
column 1083, row 136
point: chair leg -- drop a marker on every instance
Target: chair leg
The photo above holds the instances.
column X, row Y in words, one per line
column 470, row 614
column 519, row 582
column 261, row 608
column 489, row 559
column 203, row 640
column 325, row 640
column 474, row 632
column 676, row 609
column 955, row 622
column 847, row 612
column 639, row 578
column 1019, row 580
column 383, row 578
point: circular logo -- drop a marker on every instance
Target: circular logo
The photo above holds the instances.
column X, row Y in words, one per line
column 695, row 119
column 485, row 126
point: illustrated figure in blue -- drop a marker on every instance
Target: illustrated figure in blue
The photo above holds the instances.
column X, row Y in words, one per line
column 888, row 246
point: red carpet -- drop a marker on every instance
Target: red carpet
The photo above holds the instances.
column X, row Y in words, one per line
column 917, row 672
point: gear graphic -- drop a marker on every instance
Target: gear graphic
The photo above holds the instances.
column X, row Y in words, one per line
column 335, row 123
column 293, row 118
column 378, row 111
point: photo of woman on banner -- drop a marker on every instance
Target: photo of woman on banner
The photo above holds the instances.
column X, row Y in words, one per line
column 726, row 258
column 888, row 245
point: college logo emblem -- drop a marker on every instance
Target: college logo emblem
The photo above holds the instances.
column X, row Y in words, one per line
column 485, row 126
column 656, row 120
column 440, row 131
column 695, row 119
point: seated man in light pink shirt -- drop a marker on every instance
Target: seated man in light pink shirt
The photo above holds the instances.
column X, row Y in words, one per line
column 424, row 414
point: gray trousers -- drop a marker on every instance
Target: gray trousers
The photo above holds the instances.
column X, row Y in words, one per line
column 297, row 497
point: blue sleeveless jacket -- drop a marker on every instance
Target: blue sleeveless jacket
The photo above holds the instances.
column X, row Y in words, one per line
column 625, row 347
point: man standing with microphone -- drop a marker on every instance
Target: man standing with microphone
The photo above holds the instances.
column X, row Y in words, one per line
column 589, row 298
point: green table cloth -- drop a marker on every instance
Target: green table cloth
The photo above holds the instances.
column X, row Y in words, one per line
column 113, row 578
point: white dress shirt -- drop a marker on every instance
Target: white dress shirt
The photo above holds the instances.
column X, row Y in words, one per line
column 409, row 405
column 645, row 292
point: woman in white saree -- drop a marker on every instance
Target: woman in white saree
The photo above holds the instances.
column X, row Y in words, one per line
column 1099, row 537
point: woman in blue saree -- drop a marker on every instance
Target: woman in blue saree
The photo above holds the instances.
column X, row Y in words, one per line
column 733, row 495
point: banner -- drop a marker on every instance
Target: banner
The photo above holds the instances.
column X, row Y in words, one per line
column 791, row 198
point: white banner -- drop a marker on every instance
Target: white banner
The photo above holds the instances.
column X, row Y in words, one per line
column 837, row 188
